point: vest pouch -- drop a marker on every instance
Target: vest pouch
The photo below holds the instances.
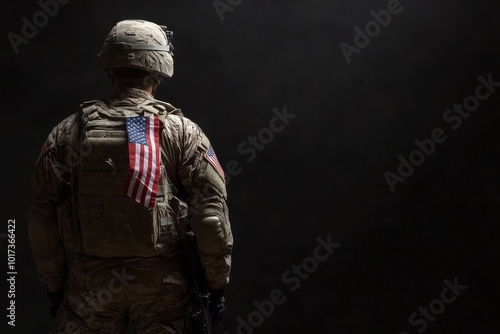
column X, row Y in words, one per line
column 171, row 220
column 67, row 226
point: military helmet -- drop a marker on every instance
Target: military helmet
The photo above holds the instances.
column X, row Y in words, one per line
column 138, row 44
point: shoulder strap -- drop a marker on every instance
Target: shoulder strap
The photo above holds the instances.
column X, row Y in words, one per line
column 160, row 109
column 99, row 109
column 88, row 107
column 171, row 110
column 93, row 108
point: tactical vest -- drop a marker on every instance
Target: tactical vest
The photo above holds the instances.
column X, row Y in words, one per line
column 104, row 220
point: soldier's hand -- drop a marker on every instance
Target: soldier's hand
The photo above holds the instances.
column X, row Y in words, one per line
column 55, row 300
column 217, row 306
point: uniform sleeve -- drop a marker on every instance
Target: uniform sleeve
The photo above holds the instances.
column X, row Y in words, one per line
column 50, row 188
column 205, row 192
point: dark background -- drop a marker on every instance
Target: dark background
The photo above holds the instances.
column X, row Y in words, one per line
column 322, row 175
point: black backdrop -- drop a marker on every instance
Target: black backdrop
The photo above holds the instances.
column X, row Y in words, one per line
column 322, row 176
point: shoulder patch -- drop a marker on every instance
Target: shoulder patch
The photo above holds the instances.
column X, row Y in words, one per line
column 211, row 157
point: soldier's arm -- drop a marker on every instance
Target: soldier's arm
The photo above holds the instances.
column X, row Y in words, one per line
column 206, row 196
column 49, row 191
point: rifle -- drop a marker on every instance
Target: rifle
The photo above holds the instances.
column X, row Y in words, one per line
column 200, row 318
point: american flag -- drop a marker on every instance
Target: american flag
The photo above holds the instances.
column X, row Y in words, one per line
column 144, row 159
column 212, row 158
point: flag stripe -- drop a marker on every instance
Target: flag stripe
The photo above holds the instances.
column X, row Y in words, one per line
column 154, row 139
column 144, row 172
column 146, row 196
column 134, row 168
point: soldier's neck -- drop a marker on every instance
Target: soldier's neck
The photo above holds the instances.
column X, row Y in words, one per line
column 148, row 89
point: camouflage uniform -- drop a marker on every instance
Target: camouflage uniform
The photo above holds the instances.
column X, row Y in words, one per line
column 102, row 294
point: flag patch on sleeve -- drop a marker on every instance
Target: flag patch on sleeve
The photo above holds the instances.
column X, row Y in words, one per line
column 212, row 159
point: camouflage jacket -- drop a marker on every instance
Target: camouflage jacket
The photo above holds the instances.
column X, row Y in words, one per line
column 200, row 183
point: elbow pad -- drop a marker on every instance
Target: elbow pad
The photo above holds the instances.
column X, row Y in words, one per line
column 210, row 234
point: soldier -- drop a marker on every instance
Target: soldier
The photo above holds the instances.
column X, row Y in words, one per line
column 116, row 185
